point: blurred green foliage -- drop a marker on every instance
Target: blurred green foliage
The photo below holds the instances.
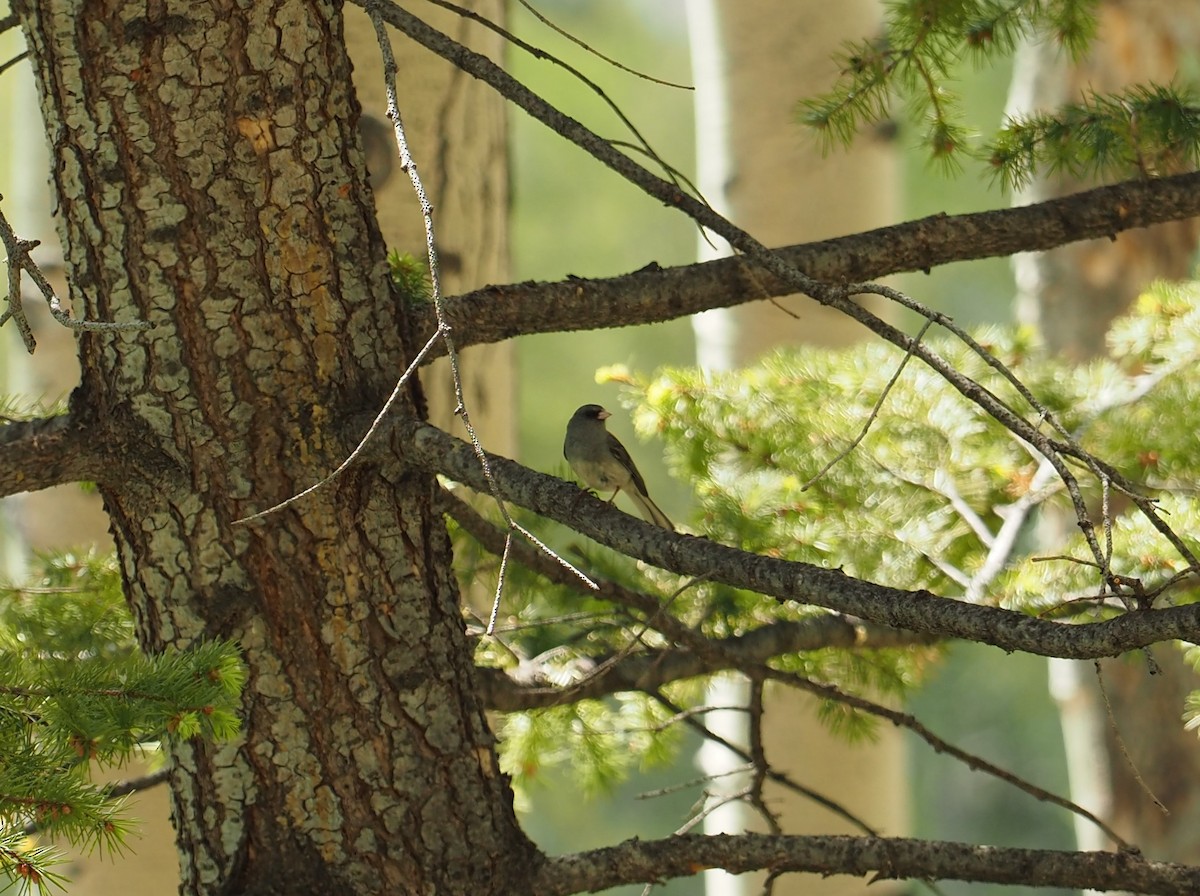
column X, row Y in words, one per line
column 773, row 457
column 777, row 466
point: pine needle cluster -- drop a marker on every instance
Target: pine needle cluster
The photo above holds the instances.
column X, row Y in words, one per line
column 1150, row 130
column 410, row 276
column 76, row 691
column 1147, row 130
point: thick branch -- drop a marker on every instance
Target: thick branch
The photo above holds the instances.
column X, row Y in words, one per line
column 650, row 670
column 918, row 611
column 649, row 861
column 655, row 294
column 45, row 452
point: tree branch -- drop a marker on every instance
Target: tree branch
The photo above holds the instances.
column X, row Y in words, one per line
column 651, row 669
column 837, row 295
column 700, row 655
column 655, row 294
column 45, row 452
column 17, row 255
column 651, row 861
column 919, row 611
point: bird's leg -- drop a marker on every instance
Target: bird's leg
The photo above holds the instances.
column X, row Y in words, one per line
column 583, row 490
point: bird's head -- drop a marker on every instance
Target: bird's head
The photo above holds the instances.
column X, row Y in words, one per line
column 593, row 412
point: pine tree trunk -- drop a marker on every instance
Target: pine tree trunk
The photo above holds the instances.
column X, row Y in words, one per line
column 210, row 181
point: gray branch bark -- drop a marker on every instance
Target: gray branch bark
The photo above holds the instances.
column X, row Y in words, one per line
column 650, row 861
column 654, row 294
column 919, row 611
column 45, row 452
column 650, row 670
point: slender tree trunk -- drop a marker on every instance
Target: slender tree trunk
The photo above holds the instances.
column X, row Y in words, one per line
column 211, row 182
column 757, row 165
column 749, row 148
column 1072, row 294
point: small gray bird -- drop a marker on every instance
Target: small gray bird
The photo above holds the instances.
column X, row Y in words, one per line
column 601, row 461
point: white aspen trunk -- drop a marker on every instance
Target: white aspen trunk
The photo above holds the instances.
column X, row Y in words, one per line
column 1072, row 294
column 752, row 62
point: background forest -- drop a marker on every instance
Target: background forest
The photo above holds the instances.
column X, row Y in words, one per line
column 994, row 705
column 574, row 219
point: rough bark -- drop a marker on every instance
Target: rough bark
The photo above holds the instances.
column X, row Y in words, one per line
column 881, row 858
column 210, row 180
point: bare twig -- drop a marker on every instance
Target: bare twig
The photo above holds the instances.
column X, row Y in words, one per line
column 507, row 552
column 1101, row 470
column 1116, row 730
column 693, row 782
column 593, row 51
column 18, row 252
column 643, row 145
column 871, row 416
column 7, row 65
column 711, row 805
column 611, row 662
column 778, row 777
column 758, row 757
column 972, row 761
column 994, row 406
column 408, row 165
column 362, row 443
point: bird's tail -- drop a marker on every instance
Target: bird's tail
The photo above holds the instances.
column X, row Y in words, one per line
column 650, row 510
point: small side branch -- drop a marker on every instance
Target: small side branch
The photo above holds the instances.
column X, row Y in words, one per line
column 120, row 790
column 45, row 452
column 654, row 669
column 18, row 252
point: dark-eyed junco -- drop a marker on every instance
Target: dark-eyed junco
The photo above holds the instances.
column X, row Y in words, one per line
column 601, row 461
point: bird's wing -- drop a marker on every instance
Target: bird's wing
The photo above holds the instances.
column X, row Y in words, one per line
column 622, row 456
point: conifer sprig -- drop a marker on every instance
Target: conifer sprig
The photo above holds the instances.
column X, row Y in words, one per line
column 1148, row 130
